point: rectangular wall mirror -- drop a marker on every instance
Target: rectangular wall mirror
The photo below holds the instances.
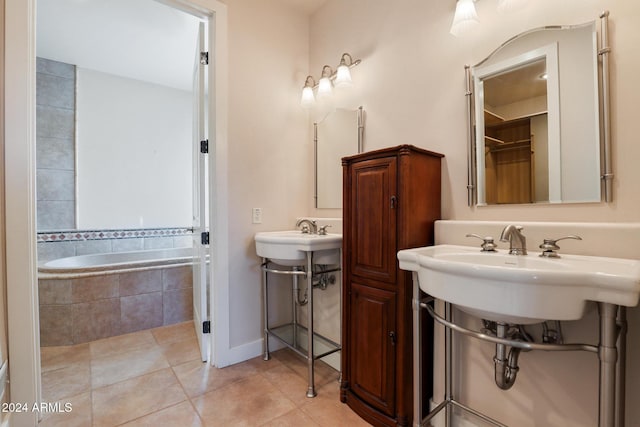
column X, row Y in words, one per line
column 339, row 134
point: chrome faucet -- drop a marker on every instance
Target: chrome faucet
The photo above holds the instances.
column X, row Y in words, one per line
column 517, row 241
column 307, row 226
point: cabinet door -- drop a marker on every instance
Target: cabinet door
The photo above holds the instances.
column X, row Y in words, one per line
column 373, row 219
column 373, row 346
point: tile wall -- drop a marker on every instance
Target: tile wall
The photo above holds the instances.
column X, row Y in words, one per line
column 55, row 144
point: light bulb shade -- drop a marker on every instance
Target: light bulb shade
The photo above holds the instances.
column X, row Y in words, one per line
column 307, row 100
column 324, row 87
column 465, row 17
column 343, row 76
column 510, row 5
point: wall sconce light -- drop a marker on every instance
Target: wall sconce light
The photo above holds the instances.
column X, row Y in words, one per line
column 328, row 78
column 465, row 16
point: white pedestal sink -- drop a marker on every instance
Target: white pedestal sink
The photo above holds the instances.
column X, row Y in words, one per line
column 290, row 248
column 310, row 255
column 522, row 289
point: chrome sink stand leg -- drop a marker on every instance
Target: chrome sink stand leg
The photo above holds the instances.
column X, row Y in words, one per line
column 265, row 312
column 417, row 359
column 311, row 392
column 608, row 357
column 621, row 373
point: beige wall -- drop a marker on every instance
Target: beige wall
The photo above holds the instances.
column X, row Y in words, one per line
column 411, row 84
column 270, row 155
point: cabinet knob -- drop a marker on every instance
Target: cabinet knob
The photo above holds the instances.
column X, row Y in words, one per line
column 392, row 335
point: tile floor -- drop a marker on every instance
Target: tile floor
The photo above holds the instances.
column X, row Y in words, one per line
column 155, row 378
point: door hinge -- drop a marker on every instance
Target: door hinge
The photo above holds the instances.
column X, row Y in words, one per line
column 204, row 146
column 204, row 58
column 204, row 238
column 206, row 327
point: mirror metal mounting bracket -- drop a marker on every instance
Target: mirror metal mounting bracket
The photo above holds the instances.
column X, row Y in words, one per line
column 603, row 53
column 471, row 163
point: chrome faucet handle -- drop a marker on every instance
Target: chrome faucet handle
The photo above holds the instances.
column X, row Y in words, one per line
column 550, row 246
column 487, row 243
column 323, row 229
column 304, row 229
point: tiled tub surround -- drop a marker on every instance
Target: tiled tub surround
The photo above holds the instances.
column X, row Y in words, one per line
column 105, row 304
column 55, row 146
column 82, row 306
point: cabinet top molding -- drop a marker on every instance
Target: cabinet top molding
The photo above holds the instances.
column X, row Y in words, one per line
column 383, row 152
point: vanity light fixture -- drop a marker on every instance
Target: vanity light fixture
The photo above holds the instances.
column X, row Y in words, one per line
column 465, row 16
column 341, row 77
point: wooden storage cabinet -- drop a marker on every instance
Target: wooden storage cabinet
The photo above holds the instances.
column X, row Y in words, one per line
column 391, row 199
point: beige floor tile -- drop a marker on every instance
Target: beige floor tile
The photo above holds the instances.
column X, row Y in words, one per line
column 327, row 410
column 65, row 382
column 198, row 378
column 295, row 418
column 289, row 383
column 181, row 415
column 79, row 414
column 58, row 357
column 122, row 344
column 323, row 373
column 179, row 352
column 172, row 333
column 122, row 366
column 251, row 401
column 261, row 365
column 127, row 400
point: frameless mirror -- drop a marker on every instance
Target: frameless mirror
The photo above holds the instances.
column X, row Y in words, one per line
column 337, row 135
column 535, row 109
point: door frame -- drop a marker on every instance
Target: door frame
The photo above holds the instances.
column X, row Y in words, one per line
column 20, row 189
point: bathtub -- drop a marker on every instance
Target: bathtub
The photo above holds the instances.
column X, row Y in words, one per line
column 79, row 266
column 90, row 297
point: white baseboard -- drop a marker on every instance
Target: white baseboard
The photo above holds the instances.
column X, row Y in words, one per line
column 247, row 351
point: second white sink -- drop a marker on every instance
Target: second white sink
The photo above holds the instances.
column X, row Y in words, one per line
column 522, row 289
column 289, row 248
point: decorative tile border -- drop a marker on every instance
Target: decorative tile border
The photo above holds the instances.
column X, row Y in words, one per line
column 79, row 235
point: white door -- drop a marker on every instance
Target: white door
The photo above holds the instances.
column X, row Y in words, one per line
column 201, row 315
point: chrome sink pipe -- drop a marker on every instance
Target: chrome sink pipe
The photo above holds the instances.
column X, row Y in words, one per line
column 506, row 364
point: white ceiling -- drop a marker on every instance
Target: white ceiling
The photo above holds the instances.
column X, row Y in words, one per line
column 139, row 39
